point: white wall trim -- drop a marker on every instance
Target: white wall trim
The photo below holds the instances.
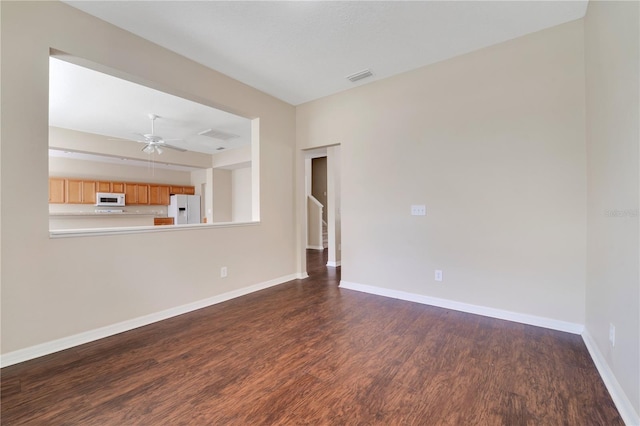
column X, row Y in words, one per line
column 315, row 248
column 47, row 348
column 334, row 264
column 537, row 321
column 624, row 406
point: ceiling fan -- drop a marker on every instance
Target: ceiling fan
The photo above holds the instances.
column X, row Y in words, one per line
column 155, row 143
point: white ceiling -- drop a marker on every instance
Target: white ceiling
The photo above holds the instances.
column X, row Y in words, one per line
column 89, row 101
column 299, row 51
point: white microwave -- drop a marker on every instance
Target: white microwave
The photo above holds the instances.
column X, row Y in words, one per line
column 109, row 199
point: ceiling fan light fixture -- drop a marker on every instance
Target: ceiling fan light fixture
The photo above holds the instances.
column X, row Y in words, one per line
column 151, row 148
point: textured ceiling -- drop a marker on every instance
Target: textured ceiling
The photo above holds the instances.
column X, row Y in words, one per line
column 303, row 50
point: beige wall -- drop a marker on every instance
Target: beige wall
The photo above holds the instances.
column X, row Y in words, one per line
column 232, row 157
column 73, row 140
column 613, row 281
column 222, row 196
column 49, row 286
column 70, row 167
column 241, row 194
column 493, row 142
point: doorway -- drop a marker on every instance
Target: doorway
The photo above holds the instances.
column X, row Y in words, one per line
column 323, row 216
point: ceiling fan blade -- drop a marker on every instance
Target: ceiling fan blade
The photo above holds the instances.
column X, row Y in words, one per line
column 148, row 148
column 177, row 148
column 128, row 140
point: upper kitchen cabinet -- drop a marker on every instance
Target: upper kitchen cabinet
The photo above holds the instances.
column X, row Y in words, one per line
column 104, row 186
column 159, row 195
column 56, row 191
column 117, row 187
column 136, row 193
column 83, row 191
column 186, row 190
column 80, row 191
column 143, row 194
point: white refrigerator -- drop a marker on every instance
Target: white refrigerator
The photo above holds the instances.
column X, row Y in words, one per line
column 184, row 209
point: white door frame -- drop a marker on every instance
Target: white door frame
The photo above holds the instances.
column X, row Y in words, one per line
column 304, row 180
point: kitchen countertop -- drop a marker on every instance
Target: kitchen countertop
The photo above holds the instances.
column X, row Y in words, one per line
column 95, row 214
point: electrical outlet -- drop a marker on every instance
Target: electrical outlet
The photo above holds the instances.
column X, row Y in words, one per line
column 223, row 272
column 418, row 210
column 438, row 275
column 612, row 334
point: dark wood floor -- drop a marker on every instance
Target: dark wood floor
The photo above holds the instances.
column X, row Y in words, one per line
column 307, row 352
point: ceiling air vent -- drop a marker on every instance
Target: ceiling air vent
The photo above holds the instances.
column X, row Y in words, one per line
column 218, row 134
column 360, row 75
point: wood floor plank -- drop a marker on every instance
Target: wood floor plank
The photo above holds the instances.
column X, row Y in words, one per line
column 308, row 352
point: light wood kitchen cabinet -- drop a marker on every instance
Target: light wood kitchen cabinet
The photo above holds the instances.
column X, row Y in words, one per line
column 159, row 195
column 162, row 221
column 73, row 191
column 136, row 193
column 80, row 191
column 143, row 193
column 83, row 191
column 103, row 186
column 88, row 192
column 108, row 186
column 56, row 191
column 187, row 190
column 130, row 193
column 117, row 187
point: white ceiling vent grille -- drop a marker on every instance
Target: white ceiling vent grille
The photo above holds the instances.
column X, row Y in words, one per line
column 360, row 75
column 218, row 134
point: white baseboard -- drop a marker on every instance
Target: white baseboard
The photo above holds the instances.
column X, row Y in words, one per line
column 47, row 348
column 624, row 406
column 334, row 264
column 302, row 275
column 553, row 324
column 315, row 248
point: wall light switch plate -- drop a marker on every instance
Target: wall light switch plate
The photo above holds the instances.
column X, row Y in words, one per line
column 418, row 210
column 223, row 272
column 438, row 275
